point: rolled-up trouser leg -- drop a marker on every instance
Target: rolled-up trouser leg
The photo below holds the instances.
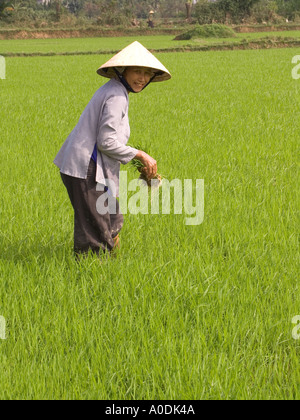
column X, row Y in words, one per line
column 92, row 231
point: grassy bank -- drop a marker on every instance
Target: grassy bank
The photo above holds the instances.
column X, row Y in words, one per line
column 95, row 31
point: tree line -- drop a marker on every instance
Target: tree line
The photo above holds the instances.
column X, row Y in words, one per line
column 128, row 12
column 238, row 11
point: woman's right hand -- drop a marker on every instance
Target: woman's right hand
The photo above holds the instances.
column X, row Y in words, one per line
column 150, row 164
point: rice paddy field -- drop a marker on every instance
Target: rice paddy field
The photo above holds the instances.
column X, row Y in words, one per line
column 182, row 312
column 114, row 44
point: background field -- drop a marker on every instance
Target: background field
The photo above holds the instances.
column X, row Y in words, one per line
column 73, row 45
column 183, row 312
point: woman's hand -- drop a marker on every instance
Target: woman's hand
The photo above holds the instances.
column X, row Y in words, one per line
column 150, row 164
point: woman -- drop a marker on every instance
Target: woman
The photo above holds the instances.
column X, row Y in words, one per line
column 89, row 161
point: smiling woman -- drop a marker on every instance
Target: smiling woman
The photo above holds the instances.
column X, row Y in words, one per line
column 93, row 152
column 138, row 77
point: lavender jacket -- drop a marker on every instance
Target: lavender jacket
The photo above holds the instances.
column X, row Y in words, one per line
column 104, row 122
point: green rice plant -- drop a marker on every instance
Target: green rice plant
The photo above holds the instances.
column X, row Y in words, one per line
column 89, row 46
column 182, row 312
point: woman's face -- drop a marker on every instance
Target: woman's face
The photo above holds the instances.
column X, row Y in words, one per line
column 138, row 77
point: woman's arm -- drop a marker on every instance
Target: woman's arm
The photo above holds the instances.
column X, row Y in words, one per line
column 108, row 135
column 108, row 143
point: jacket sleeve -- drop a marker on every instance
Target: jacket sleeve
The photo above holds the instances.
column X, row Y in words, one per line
column 114, row 110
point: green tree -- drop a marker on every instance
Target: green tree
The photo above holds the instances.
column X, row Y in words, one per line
column 265, row 11
column 116, row 12
column 208, row 12
column 237, row 9
column 289, row 8
column 188, row 5
column 75, row 6
column 4, row 4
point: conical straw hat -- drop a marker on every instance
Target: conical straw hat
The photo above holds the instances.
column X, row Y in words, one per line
column 135, row 55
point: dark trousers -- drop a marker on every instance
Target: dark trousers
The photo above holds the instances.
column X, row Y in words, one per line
column 92, row 231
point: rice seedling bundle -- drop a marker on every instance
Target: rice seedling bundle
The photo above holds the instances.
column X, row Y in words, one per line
column 137, row 164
